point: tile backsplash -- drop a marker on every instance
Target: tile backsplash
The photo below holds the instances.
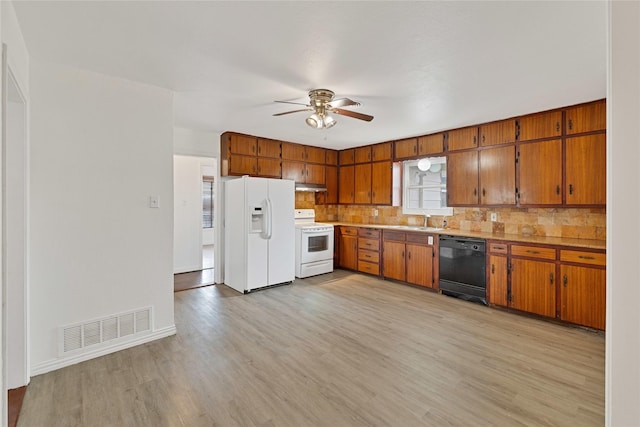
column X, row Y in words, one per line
column 582, row 223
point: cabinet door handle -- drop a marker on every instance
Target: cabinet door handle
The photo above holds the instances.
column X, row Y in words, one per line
column 483, row 139
column 558, row 189
column 483, row 192
column 551, row 278
column 474, row 140
column 532, row 252
column 475, row 191
column 585, row 257
column 253, row 148
column 564, row 280
column 409, row 255
column 493, row 269
column 571, row 189
column 557, row 126
column 259, row 149
column 414, row 149
column 402, row 255
column 570, row 124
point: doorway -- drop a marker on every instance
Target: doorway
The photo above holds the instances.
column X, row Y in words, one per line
column 194, row 221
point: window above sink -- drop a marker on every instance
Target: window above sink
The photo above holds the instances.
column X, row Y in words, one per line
column 424, row 187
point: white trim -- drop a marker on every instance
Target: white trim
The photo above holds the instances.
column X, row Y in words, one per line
column 52, row 365
column 11, row 79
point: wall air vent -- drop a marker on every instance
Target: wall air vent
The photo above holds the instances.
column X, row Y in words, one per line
column 106, row 330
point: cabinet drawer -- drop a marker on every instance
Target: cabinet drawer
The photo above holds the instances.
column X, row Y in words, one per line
column 594, row 258
column 370, row 244
column 369, row 232
column 422, row 238
column 369, row 256
column 398, row 236
column 369, row 267
column 349, row 231
column 533, row 252
column 498, row 248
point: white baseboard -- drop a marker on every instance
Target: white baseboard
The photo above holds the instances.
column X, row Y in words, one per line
column 52, row 365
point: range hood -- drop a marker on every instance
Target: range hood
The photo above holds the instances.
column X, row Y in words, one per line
column 310, row 187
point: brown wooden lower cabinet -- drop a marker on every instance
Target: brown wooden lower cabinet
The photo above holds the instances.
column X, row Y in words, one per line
column 558, row 282
column 348, row 247
column 408, row 257
column 498, row 283
column 533, row 286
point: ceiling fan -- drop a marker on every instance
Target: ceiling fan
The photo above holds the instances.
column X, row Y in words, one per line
column 321, row 102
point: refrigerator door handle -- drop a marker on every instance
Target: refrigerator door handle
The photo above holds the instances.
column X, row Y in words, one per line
column 268, row 220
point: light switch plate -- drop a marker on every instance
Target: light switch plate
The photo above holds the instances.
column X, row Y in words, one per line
column 154, row 202
column 494, row 216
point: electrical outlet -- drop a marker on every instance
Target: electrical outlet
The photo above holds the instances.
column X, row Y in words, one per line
column 494, row 216
column 375, row 212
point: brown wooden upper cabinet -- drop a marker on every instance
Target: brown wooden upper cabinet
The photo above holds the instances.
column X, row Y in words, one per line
column 462, row 178
column 431, row 144
column 347, row 157
column 242, row 144
column 501, row 132
column 291, row 151
column 331, row 157
column 303, row 153
column 362, row 184
column 585, row 170
column 302, row 172
column 406, row 148
column 540, row 172
column 346, row 183
column 542, row 125
column 461, row 139
column 269, row 148
column 331, row 181
column 498, row 176
column 381, row 152
column 586, row 118
column 315, row 154
column 381, row 183
column 363, row 154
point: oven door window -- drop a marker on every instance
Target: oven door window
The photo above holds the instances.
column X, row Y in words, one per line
column 318, row 243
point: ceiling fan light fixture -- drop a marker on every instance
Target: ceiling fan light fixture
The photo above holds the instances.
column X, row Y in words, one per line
column 314, row 121
column 329, row 122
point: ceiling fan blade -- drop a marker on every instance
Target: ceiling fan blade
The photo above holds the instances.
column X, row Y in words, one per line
column 294, row 111
column 342, row 102
column 353, row 114
column 296, row 103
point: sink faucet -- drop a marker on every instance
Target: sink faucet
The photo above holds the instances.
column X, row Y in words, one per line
column 426, row 216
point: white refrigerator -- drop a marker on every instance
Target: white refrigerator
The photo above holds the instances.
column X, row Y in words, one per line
column 259, row 233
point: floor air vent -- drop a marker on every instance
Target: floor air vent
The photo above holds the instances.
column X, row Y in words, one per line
column 82, row 335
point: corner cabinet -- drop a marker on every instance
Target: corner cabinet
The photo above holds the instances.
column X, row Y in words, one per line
column 551, row 281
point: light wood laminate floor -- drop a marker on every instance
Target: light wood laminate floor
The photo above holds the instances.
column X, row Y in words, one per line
column 335, row 350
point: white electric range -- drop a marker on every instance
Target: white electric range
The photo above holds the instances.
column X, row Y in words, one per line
column 314, row 244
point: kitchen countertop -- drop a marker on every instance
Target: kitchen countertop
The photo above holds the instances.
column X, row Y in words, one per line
column 558, row 241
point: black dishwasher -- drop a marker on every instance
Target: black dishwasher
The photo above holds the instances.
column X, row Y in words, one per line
column 463, row 268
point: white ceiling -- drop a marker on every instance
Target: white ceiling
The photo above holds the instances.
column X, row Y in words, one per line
column 418, row 67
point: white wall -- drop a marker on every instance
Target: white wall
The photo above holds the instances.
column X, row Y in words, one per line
column 187, row 230
column 623, row 206
column 190, row 142
column 100, row 147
